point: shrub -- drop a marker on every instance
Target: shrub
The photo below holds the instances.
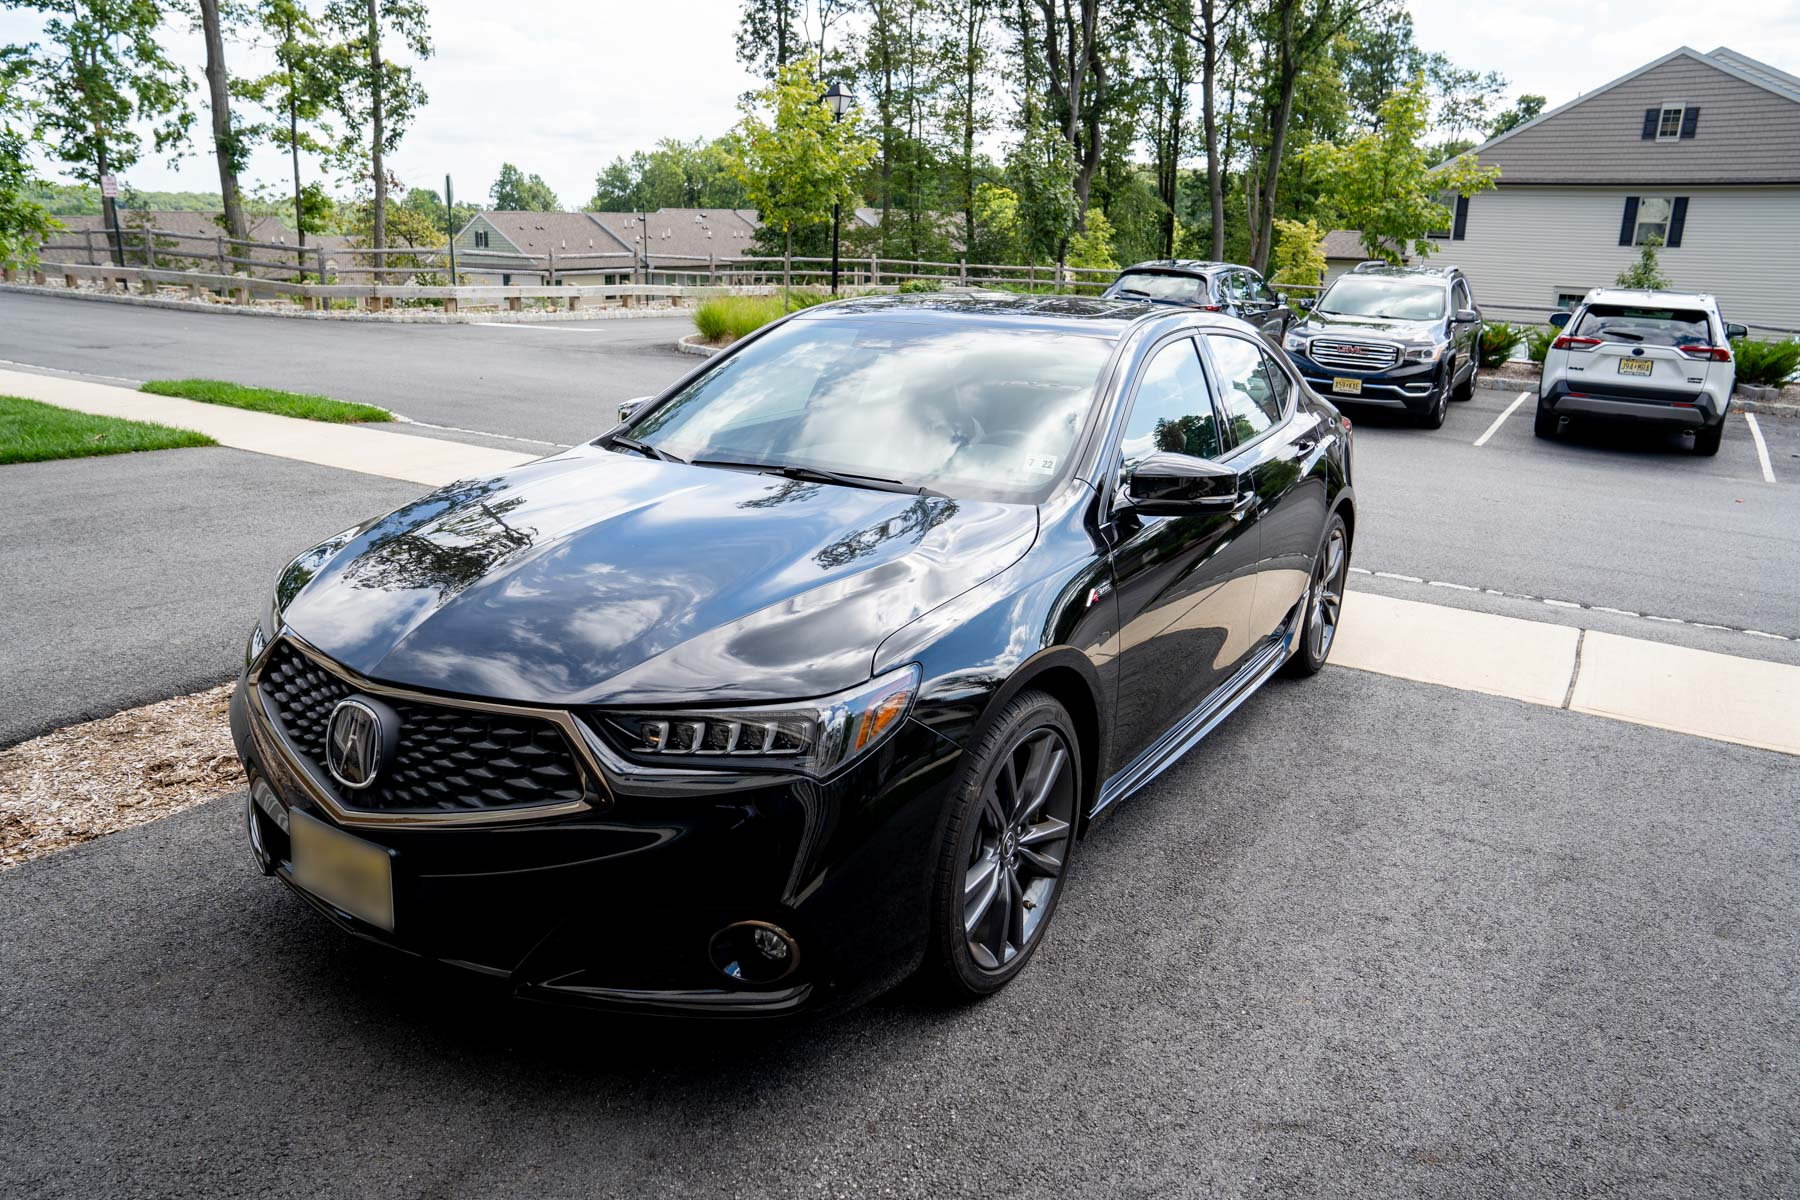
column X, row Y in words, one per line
column 1765, row 364
column 727, row 318
column 1299, row 254
column 1646, row 272
column 920, row 285
column 1537, row 343
column 1498, row 341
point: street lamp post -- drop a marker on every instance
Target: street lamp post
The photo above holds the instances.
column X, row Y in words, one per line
column 839, row 100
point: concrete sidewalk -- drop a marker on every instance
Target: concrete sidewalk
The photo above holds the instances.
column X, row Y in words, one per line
column 430, row 461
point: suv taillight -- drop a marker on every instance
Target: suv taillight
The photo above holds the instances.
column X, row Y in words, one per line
column 1565, row 342
column 1714, row 353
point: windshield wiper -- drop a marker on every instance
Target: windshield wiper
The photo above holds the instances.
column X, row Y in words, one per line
column 819, row 475
column 1134, row 292
column 643, row 448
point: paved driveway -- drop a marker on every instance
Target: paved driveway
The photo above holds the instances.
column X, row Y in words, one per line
column 1377, row 938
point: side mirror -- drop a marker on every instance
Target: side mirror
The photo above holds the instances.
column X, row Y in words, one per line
column 1281, row 297
column 631, row 406
column 1734, row 332
column 1467, row 316
column 1172, row 485
column 1558, row 320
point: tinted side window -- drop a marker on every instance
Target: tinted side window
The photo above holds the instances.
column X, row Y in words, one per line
column 1252, row 391
column 1173, row 408
column 1259, row 289
column 1463, row 299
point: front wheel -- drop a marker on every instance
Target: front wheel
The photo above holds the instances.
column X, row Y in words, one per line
column 1324, row 601
column 1006, row 847
column 1433, row 417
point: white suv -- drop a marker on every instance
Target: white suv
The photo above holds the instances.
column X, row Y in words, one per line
column 1660, row 357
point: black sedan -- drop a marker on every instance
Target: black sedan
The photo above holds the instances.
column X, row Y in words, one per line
column 1208, row 286
column 813, row 671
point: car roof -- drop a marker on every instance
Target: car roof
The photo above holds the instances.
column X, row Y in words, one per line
column 1649, row 296
column 1183, row 266
column 1443, row 273
column 1062, row 314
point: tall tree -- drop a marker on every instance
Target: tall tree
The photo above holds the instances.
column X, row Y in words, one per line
column 1528, row 107
column 518, row 192
column 767, row 38
column 102, row 70
column 229, row 147
column 1170, row 59
column 1075, row 72
column 376, row 97
column 298, row 92
column 964, row 54
column 24, row 222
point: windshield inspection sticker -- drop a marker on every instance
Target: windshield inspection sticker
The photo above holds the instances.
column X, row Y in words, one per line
column 1039, row 464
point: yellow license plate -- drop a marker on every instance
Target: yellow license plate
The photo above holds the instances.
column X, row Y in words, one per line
column 1636, row 366
column 1346, row 387
column 344, row 871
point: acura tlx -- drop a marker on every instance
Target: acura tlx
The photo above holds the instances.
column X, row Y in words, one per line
column 814, row 671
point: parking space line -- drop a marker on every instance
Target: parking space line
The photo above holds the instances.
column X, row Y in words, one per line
column 1501, row 419
column 1762, row 448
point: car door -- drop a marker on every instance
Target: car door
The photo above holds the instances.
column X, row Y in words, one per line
column 1184, row 584
column 1278, row 444
column 1262, row 308
column 1466, row 335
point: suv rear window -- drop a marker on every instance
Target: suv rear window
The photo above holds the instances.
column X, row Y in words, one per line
column 1184, row 289
column 1644, row 326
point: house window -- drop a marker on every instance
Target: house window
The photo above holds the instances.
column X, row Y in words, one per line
column 481, row 239
column 1447, row 202
column 1567, row 300
column 1668, row 124
column 1652, row 220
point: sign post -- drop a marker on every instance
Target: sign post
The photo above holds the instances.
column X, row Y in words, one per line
column 450, row 225
column 109, row 200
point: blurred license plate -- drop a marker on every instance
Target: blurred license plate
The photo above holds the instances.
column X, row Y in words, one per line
column 1635, row 366
column 345, row 872
column 1346, row 387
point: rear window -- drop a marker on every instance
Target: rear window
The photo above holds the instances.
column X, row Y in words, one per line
column 1644, row 326
column 1144, row 285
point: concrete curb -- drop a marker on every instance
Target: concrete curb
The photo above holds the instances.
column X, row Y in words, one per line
column 691, row 345
column 391, row 317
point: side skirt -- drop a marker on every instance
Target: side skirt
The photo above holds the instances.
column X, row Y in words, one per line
column 1163, row 753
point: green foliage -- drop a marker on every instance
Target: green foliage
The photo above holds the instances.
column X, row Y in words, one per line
column 1537, row 342
column 1092, row 247
column 1498, row 341
column 34, row 432
column 917, row 286
column 1765, row 363
column 1527, row 108
column 296, row 95
column 793, row 160
column 269, row 400
column 1645, row 272
column 368, row 89
column 726, row 318
column 998, row 227
column 516, row 191
column 676, row 174
column 1383, row 183
column 1299, row 259
column 24, row 222
column 1041, row 174
column 405, row 225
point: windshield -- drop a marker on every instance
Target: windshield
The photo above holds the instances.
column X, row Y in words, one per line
column 946, row 405
column 1146, row 285
column 1643, row 326
column 1384, row 296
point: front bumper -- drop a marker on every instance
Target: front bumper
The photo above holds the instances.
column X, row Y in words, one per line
column 1678, row 410
column 1411, row 386
column 617, row 906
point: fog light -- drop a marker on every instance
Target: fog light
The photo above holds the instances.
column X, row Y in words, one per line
column 754, row 952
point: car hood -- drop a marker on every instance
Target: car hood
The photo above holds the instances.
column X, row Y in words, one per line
column 1378, row 328
column 599, row 578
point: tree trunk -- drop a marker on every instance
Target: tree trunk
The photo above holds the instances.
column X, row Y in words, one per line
column 971, row 33
column 293, row 109
column 224, row 141
column 1287, row 74
column 1209, row 107
column 376, row 72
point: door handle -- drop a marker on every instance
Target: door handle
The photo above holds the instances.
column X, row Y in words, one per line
column 1246, row 503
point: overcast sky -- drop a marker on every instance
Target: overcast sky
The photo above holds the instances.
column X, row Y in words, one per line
column 561, row 87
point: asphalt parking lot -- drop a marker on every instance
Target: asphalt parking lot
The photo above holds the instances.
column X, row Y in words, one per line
column 1374, row 937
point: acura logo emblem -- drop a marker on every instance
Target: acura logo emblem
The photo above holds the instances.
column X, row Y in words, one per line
column 354, row 740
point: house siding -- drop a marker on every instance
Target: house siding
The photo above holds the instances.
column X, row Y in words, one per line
column 1524, row 245
column 1745, row 134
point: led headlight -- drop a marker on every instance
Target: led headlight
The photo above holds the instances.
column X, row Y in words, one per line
column 1294, row 343
column 1424, row 352
column 817, row 737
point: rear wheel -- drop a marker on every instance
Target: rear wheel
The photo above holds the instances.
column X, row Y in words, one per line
column 1324, row 601
column 1706, row 439
column 1545, row 425
column 1006, row 848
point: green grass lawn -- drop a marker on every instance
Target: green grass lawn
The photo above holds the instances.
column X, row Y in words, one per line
column 33, row 432
column 284, row 404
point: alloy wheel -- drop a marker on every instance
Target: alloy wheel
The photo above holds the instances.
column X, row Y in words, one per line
column 1021, row 844
column 1327, row 596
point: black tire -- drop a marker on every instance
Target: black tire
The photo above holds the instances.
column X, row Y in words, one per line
column 1324, row 601
column 962, row 960
column 1466, row 389
column 1545, row 424
column 1706, row 439
column 1433, row 417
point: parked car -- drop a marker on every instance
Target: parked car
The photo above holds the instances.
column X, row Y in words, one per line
column 815, row 670
column 1396, row 337
column 1208, row 286
column 1662, row 358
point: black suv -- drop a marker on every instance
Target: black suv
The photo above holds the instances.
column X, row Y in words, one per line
column 1397, row 337
column 1209, row 286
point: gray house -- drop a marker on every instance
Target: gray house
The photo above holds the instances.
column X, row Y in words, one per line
column 1701, row 151
column 601, row 247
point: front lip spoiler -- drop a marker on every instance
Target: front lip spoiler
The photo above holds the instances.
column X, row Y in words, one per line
column 267, row 731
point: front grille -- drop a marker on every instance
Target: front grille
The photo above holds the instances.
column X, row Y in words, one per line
column 447, row 759
column 1354, row 356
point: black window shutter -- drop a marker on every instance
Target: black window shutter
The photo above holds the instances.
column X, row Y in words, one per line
column 1677, row 220
column 1628, row 226
column 1690, row 120
column 1462, row 219
column 1651, row 116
